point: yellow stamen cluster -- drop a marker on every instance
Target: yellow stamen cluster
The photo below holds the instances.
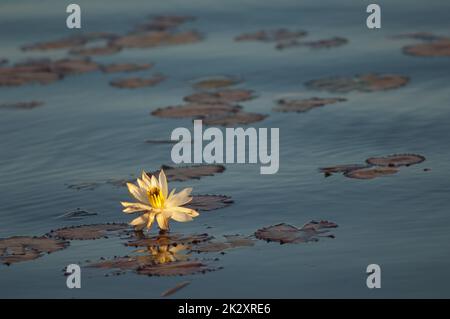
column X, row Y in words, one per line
column 156, row 197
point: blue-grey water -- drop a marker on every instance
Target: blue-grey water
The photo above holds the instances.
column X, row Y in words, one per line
column 90, row 131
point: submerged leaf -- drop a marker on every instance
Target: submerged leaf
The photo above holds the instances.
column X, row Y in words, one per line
column 361, row 83
column 87, row 232
column 396, row 160
column 22, row 248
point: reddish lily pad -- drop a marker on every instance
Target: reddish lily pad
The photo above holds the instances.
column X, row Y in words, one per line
column 21, row 105
column 361, row 83
column 319, row 44
column 271, row 35
column 209, row 202
column 196, row 110
column 231, row 241
column 89, row 232
column 423, row 36
column 164, row 23
column 184, row 173
column 97, row 50
column 370, row 173
column 341, row 168
column 215, row 83
column 133, row 83
column 396, row 160
column 22, row 248
column 70, row 42
column 304, row 105
column 126, row 67
column 284, row 233
column 236, row 118
column 224, row 96
column 157, row 38
column 437, row 48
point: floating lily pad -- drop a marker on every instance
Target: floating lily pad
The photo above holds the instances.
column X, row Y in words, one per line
column 437, row 48
column 70, row 42
column 21, row 105
column 184, row 173
column 209, row 202
column 369, row 173
column 22, row 248
column 164, row 23
column 231, row 241
column 304, row 105
column 327, row 171
column 87, row 232
column 196, row 110
column 97, row 50
column 168, row 239
column 284, row 233
column 133, row 83
column 361, row 83
column 157, row 38
column 215, row 83
column 224, row 96
column 236, row 118
column 423, row 36
column 319, row 44
column 126, row 67
column 175, row 289
column 271, row 35
column 396, row 160
column 20, row 75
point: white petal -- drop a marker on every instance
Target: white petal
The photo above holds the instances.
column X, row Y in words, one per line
column 163, row 221
column 154, row 182
column 146, row 179
column 181, row 198
column 142, row 184
column 185, row 210
column 181, row 217
column 141, row 220
column 137, row 193
column 135, row 207
column 151, row 219
column 163, row 183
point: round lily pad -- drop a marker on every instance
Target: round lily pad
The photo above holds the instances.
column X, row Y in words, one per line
column 157, row 38
column 97, row 50
column 361, row 83
column 224, row 96
column 341, row 168
column 125, row 67
column 369, row 173
column 236, row 118
column 423, row 36
column 133, row 83
column 209, row 202
column 164, row 23
column 21, row 105
column 284, row 233
column 437, row 48
column 304, row 105
column 319, row 44
column 184, row 173
column 70, row 42
column 215, row 83
column 89, row 232
column 22, row 248
column 196, row 110
column 396, row 160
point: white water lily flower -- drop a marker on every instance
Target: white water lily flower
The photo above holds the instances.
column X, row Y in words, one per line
column 155, row 202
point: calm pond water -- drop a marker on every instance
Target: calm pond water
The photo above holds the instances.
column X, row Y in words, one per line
column 90, row 131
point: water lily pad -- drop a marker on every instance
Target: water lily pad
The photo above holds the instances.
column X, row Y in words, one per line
column 231, row 241
column 21, row 105
column 233, row 119
column 195, row 110
column 175, row 289
column 319, row 44
column 437, row 48
column 327, row 171
column 224, row 96
column 77, row 214
column 97, row 50
column 285, row 233
column 184, row 173
column 126, row 67
column 157, row 38
column 304, row 105
column 423, row 36
column 361, row 83
column 22, row 248
column 209, row 202
column 20, row 75
column 70, row 42
column 396, row 160
column 164, row 23
column 215, row 83
column 3, row 61
column 133, row 83
column 168, row 239
column 369, row 173
column 88, row 232
column 271, row 35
